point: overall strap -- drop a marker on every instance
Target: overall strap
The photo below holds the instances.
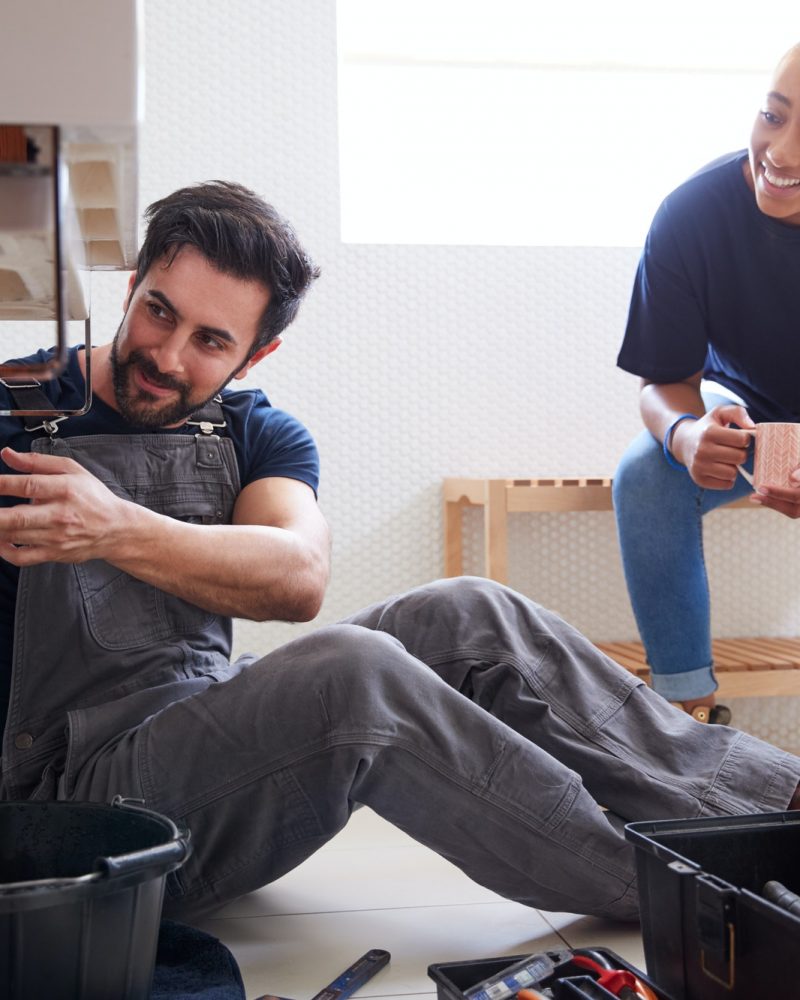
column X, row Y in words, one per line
column 209, row 417
column 28, row 395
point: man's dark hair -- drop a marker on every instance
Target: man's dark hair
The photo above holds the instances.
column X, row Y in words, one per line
column 241, row 235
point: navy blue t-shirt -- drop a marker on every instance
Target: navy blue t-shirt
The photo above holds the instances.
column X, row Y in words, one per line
column 267, row 441
column 718, row 291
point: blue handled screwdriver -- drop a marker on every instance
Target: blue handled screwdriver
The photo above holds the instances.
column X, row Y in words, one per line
column 353, row 977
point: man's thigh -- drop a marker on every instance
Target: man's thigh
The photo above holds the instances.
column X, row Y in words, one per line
column 248, row 765
column 262, row 769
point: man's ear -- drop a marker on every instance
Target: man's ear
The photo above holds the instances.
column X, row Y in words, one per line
column 131, row 283
column 260, row 354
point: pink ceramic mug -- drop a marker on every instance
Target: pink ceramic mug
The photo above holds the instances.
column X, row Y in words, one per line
column 777, row 454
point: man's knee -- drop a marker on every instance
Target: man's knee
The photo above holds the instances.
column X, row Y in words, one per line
column 357, row 668
column 458, row 592
column 461, row 612
column 465, row 591
column 477, row 596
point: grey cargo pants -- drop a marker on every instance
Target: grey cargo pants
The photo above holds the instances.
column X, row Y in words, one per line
column 479, row 723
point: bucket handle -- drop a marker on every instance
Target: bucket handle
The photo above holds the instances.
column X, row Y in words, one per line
column 169, row 855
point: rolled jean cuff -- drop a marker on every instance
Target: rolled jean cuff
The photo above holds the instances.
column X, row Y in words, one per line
column 685, row 686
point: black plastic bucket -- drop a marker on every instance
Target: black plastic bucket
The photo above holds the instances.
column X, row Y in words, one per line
column 81, row 890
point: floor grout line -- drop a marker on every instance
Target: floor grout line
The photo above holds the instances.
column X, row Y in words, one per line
column 362, row 909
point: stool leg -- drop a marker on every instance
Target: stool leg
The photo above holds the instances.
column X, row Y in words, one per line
column 453, row 545
column 495, row 527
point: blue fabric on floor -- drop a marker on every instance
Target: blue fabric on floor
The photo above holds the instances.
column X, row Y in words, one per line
column 193, row 965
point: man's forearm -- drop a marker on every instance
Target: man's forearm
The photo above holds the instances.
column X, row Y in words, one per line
column 271, row 563
column 242, row 570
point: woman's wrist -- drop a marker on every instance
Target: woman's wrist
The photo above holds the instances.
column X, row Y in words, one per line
column 668, row 436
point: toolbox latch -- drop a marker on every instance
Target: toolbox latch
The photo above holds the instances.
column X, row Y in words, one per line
column 716, row 928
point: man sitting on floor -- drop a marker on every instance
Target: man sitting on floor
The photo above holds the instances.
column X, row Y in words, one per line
column 473, row 719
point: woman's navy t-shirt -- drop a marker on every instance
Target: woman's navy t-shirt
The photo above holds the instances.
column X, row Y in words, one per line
column 718, row 291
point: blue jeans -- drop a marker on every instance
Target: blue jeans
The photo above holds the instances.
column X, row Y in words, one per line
column 659, row 513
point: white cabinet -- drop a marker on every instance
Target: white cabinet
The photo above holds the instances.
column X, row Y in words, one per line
column 70, row 107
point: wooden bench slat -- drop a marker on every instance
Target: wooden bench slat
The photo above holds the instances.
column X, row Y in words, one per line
column 727, row 656
column 630, row 651
column 746, row 667
column 763, row 652
column 784, row 646
column 636, row 665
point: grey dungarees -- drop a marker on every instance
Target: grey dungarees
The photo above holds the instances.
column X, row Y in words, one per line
column 95, row 650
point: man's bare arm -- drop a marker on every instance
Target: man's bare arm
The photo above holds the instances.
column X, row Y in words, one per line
column 271, row 563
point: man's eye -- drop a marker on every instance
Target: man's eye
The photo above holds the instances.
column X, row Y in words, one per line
column 157, row 310
column 214, row 343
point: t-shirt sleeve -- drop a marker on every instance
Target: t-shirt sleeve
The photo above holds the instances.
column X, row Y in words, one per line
column 270, row 442
column 666, row 337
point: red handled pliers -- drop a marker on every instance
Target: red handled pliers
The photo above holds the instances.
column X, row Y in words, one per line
column 621, row 982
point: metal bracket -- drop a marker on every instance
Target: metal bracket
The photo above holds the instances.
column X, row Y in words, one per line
column 716, row 928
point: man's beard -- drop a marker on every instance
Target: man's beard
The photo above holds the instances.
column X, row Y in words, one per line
column 141, row 409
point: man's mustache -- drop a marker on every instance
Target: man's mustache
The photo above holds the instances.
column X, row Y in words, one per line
column 150, row 371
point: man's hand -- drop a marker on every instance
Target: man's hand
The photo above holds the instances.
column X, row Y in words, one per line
column 710, row 448
column 71, row 516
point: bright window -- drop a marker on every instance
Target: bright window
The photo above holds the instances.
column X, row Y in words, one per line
column 520, row 122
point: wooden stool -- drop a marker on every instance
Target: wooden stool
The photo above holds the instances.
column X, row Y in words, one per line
column 745, row 667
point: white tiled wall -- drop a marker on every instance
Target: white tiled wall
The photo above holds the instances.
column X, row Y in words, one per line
column 412, row 363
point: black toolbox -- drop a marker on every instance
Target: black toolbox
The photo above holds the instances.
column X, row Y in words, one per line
column 708, row 932
column 454, row 979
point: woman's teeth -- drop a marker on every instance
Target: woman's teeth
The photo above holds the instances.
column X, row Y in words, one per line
column 781, row 182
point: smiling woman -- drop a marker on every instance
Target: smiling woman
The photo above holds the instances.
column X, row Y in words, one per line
column 521, row 124
column 712, row 334
column 774, row 161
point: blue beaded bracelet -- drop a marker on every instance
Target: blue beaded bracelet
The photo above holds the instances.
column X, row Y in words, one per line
column 667, row 453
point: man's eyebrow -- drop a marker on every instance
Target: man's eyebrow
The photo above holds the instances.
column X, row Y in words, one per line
column 781, row 98
column 225, row 335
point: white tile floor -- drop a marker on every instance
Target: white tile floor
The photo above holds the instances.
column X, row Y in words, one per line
column 374, row 887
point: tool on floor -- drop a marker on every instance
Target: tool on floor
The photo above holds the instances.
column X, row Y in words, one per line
column 353, row 977
column 621, row 982
column 525, row 974
column 778, row 894
column 580, row 972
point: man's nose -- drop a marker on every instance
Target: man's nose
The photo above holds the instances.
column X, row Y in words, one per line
column 168, row 353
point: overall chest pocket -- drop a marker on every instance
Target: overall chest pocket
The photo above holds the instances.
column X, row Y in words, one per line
column 125, row 613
